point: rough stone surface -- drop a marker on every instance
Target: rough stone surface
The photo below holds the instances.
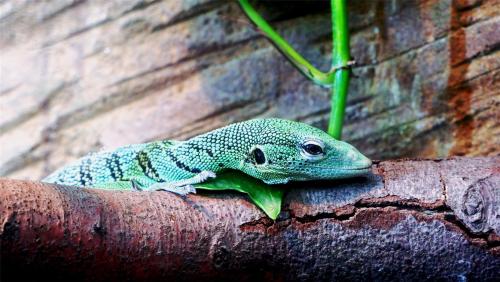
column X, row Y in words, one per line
column 77, row 75
column 425, row 220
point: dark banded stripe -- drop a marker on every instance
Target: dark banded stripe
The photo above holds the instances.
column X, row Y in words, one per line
column 181, row 165
column 167, row 143
column 147, row 167
column 200, row 149
column 85, row 175
column 113, row 164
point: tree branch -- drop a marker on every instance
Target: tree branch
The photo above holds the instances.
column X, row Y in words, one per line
column 432, row 219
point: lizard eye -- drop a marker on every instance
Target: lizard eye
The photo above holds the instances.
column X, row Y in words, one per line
column 259, row 156
column 313, row 149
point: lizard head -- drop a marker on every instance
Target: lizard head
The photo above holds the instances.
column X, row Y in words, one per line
column 292, row 151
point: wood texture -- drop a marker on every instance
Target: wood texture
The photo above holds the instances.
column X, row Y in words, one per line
column 411, row 220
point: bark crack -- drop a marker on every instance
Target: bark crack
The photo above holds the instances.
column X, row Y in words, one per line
column 443, row 187
column 420, row 210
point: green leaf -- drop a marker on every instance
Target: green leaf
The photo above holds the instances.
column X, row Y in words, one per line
column 264, row 196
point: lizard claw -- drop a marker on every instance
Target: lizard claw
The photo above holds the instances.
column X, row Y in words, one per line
column 182, row 187
column 188, row 189
column 135, row 185
column 179, row 190
column 206, row 174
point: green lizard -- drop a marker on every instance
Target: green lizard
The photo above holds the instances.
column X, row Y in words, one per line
column 274, row 150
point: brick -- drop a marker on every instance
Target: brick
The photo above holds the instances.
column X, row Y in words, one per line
column 33, row 101
column 488, row 9
column 464, row 4
column 413, row 25
column 19, row 146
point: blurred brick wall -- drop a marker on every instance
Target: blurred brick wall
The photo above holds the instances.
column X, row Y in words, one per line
column 77, row 76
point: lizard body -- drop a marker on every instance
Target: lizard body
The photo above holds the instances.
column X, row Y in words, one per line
column 274, row 150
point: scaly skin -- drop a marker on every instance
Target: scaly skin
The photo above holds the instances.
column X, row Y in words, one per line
column 273, row 150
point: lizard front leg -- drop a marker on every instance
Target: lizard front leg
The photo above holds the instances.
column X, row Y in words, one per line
column 184, row 186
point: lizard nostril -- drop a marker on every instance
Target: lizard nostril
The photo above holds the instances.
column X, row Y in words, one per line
column 352, row 155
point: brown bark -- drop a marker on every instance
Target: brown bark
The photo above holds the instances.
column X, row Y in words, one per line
column 410, row 220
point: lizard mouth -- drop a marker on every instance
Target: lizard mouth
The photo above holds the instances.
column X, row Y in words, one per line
column 326, row 172
column 367, row 168
column 323, row 168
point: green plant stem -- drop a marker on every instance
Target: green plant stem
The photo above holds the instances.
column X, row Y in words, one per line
column 337, row 78
column 340, row 57
column 319, row 77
